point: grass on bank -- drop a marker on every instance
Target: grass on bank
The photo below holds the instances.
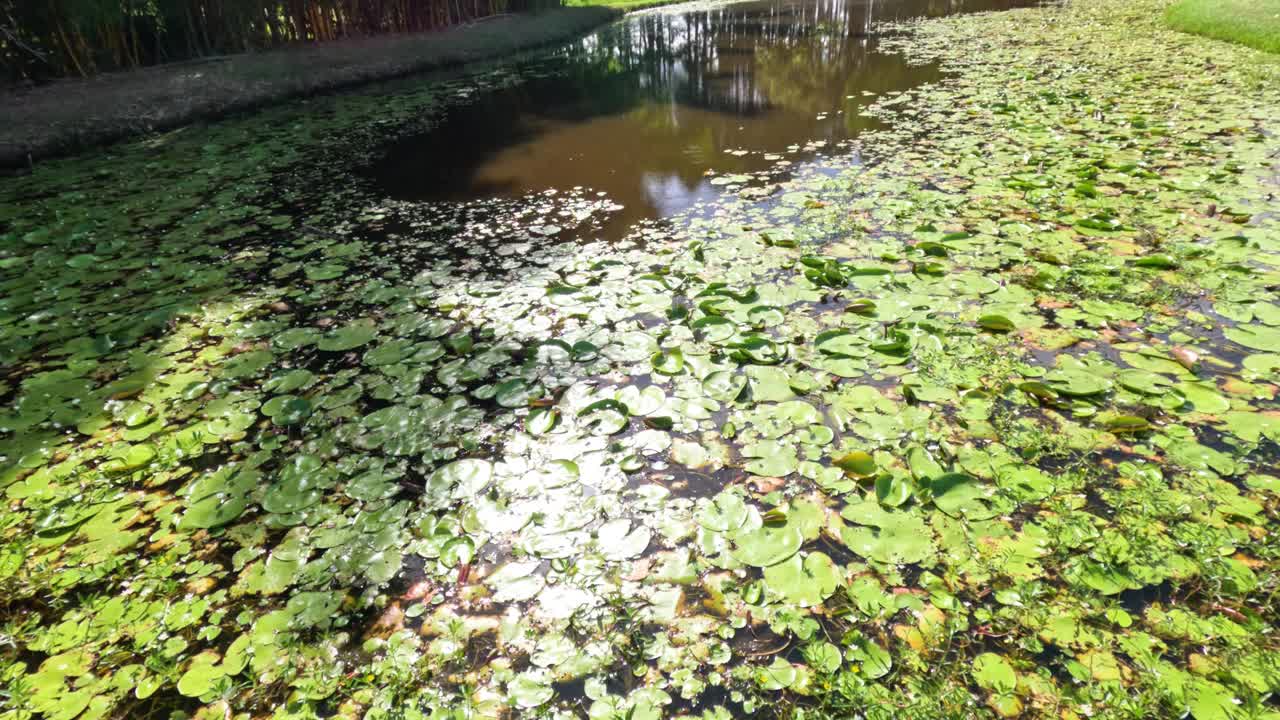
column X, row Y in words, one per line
column 1255, row 23
column 626, row 5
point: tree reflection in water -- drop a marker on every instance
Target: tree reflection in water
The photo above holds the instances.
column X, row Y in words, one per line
column 645, row 109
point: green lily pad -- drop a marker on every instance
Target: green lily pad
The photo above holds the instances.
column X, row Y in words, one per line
column 516, row 581
column 530, row 689
column 893, row 490
column 516, row 393
column 542, row 421
column 857, row 463
column 348, row 337
column 1126, row 424
column 200, row 675
column 805, row 581
column 1077, row 383
column 995, row 323
column 725, row 513
column 287, row 409
column 1142, row 381
column 618, row 541
column 213, row 511
column 771, row 458
column 457, row 480
column 668, row 362
column 886, row 536
column 301, row 484
column 872, row 659
column 724, row 385
column 1257, row 337
column 993, row 672
column 823, row 657
column 767, row 545
column 604, row 417
column 961, row 495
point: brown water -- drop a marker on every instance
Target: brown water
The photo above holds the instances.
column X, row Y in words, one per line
column 650, row 109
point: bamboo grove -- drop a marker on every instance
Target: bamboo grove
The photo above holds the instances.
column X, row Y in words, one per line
column 40, row 39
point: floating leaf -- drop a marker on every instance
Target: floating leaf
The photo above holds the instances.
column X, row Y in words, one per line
column 893, row 490
column 993, row 672
column 458, row 480
column 805, row 581
column 530, row 689
column 1145, row 382
column 724, row 385
column 516, row 393
column 767, row 545
column 886, row 536
column 668, row 362
column 348, row 337
column 618, row 541
column 1125, row 424
column 1077, row 383
column 542, row 420
column 202, row 672
column 1157, row 261
column 995, row 323
column 961, row 495
column 772, row 459
column 857, row 463
column 873, row 661
column 725, row 513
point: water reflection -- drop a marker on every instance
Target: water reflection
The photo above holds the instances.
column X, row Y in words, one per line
column 647, row 108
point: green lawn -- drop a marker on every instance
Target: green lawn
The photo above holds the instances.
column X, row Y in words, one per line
column 1255, row 23
column 621, row 4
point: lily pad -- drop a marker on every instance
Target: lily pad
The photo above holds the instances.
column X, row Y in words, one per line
column 886, row 536
column 961, row 495
column 348, row 337
column 1077, row 383
column 857, row 463
column 457, row 480
column 993, row 672
column 767, row 545
column 804, row 579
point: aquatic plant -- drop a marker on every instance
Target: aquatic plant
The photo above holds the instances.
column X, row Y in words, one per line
column 981, row 425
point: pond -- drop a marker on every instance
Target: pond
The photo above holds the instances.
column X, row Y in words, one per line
column 651, row 109
column 795, row 360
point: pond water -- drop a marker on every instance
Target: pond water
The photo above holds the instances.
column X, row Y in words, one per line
column 732, row 361
column 650, row 109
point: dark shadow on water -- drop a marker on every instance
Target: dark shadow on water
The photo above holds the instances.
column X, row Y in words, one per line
column 1137, row 601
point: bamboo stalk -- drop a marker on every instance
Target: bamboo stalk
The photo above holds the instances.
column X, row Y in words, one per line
column 66, row 44
column 130, row 33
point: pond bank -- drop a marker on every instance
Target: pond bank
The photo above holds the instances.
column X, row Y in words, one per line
column 65, row 117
